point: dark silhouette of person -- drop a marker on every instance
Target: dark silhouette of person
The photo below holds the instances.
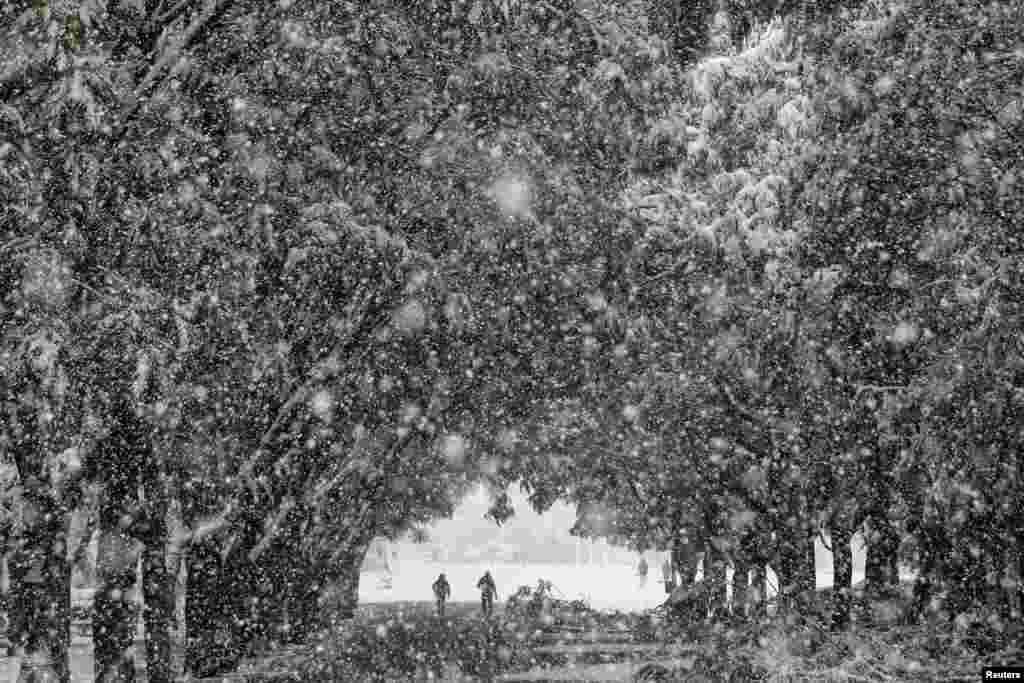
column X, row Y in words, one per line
column 641, row 568
column 668, row 575
column 488, row 591
column 441, row 592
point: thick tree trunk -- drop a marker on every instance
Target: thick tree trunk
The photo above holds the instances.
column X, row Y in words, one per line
column 688, row 600
column 41, row 590
column 5, row 601
column 892, row 566
column 935, row 549
column 881, row 573
column 740, row 588
column 685, row 561
column 158, row 598
column 748, row 590
column 758, row 600
column 715, row 578
column 120, row 462
column 842, row 574
column 209, row 613
column 177, row 551
column 348, row 591
column 158, row 614
column 115, row 611
column 348, row 579
column 967, row 575
column 157, row 580
column 296, row 606
column 178, row 562
column 304, row 608
column 796, row 568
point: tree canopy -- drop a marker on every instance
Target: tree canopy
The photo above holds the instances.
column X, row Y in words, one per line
column 302, row 273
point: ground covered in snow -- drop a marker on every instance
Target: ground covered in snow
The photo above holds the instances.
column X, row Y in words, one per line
column 611, row 587
column 406, row 642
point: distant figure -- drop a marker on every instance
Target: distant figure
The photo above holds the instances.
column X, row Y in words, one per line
column 488, row 591
column 668, row 575
column 441, row 592
column 641, row 572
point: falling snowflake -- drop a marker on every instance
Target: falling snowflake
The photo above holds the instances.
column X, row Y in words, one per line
column 904, row 333
column 513, row 195
column 322, row 405
column 453, row 448
column 410, row 318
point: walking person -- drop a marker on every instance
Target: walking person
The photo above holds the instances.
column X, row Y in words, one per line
column 641, row 571
column 488, row 591
column 441, row 592
column 668, row 576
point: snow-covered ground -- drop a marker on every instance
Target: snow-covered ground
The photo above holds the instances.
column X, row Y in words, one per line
column 610, row 587
column 605, row 587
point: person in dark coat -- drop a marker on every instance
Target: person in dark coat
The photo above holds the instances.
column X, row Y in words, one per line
column 441, row 592
column 668, row 575
column 488, row 591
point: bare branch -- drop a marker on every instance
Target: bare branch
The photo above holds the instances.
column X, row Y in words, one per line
column 272, row 528
column 171, row 55
column 171, row 14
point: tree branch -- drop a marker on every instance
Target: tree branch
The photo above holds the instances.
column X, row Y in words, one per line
column 362, row 519
column 320, row 372
column 171, row 14
column 199, row 23
column 272, row 528
column 16, row 78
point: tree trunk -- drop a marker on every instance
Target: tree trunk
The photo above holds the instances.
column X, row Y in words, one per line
column 685, row 561
column 758, row 600
column 5, row 601
column 348, row 580
column 41, row 589
column 1016, row 587
column 748, row 595
column 179, row 564
column 881, row 574
column 740, row 588
column 796, row 567
column 892, row 566
column 714, row 579
column 842, row 575
column 158, row 613
column 209, row 613
column 967, row 578
column 304, row 608
column 935, row 549
column 115, row 612
column 157, row 591
column 177, row 568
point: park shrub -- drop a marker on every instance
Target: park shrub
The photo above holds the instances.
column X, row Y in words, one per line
column 408, row 647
